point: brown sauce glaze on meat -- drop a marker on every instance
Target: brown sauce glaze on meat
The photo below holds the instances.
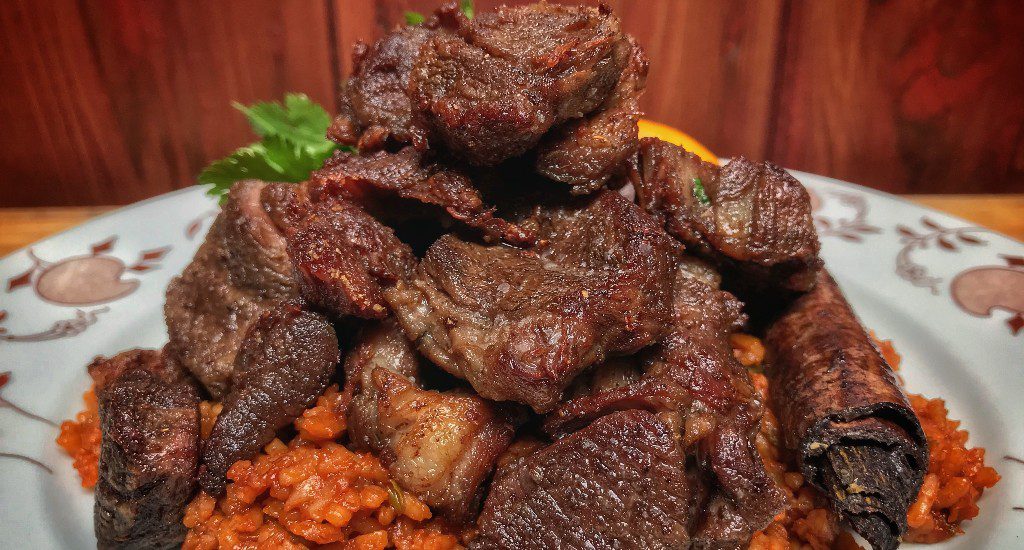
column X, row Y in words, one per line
column 755, row 224
column 241, row 271
column 149, row 417
column 286, row 361
column 621, row 482
column 843, row 414
column 520, row 325
column 440, row 446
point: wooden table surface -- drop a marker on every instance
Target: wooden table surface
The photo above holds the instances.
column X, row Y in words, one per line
column 1003, row 213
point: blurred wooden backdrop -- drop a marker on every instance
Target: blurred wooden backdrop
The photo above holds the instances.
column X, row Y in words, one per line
column 112, row 101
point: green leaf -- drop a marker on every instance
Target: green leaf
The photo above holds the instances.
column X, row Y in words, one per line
column 299, row 120
column 273, row 159
column 700, row 193
column 414, row 18
column 466, row 6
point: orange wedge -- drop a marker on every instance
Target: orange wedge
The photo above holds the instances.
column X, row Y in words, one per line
column 649, row 128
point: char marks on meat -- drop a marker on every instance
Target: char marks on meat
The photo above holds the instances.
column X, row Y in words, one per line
column 149, row 418
column 693, row 377
column 440, row 446
column 483, row 90
column 621, row 482
column 241, row 271
column 342, row 255
column 373, row 178
column 285, row 363
column 755, row 223
column 520, row 325
column 841, row 411
column 587, row 152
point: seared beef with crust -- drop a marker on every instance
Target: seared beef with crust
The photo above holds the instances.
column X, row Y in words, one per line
column 373, row 178
column 621, row 482
column 285, row 363
column 342, row 255
column 520, row 325
column 440, row 446
column 693, row 376
column 149, row 418
column 485, row 90
column 587, row 152
column 241, row 271
column 755, row 224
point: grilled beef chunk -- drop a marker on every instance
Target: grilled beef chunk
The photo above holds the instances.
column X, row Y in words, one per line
column 487, row 89
column 342, row 255
column 520, row 325
column 622, row 482
column 752, row 220
column 843, row 414
column 285, row 363
column 371, row 179
column 241, row 271
column 149, row 418
column 693, row 376
column 586, row 153
column 375, row 101
column 440, row 446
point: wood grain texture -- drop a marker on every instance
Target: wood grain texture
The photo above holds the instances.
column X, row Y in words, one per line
column 111, row 101
column 905, row 95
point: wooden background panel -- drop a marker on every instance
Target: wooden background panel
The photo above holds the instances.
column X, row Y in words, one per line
column 112, row 101
column 905, row 95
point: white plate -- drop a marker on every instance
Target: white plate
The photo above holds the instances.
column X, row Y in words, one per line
column 950, row 295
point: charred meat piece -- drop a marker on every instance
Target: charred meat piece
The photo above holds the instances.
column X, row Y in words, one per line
column 371, row 179
column 520, row 325
column 843, row 414
column 241, row 271
column 587, row 152
column 693, row 377
column 622, row 482
column 376, row 105
column 149, row 417
column 343, row 256
column 752, row 220
column 286, row 362
column 440, row 446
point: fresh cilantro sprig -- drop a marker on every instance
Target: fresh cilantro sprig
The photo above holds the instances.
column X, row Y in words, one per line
column 293, row 143
column 415, row 17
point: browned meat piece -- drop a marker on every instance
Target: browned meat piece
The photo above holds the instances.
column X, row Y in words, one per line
column 343, row 256
column 622, row 482
column 369, row 178
column 520, row 325
column 376, row 101
column 438, row 446
column 694, row 377
column 843, row 414
column 149, row 417
column 586, row 153
column 241, row 271
column 285, row 363
column 752, row 220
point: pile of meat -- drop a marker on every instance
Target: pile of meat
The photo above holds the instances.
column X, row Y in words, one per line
column 529, row 350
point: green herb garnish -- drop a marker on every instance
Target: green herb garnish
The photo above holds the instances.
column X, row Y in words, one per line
column 699, row 193
column 414, row 18
column 293, row 143
column 466, row 6
column 396, row 497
